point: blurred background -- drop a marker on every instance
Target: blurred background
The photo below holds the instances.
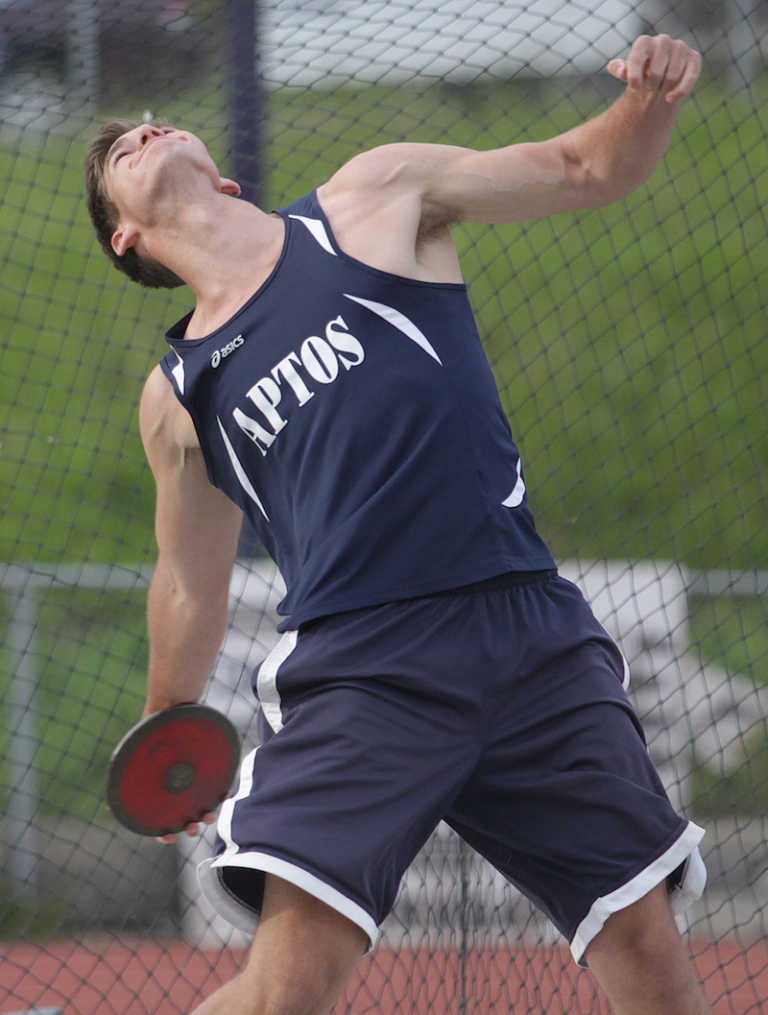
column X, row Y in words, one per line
column 629, row 345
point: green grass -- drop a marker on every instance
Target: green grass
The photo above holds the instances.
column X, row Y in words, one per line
column 629, row 345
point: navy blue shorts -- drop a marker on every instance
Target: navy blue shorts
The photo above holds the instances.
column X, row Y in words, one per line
column 499, row 708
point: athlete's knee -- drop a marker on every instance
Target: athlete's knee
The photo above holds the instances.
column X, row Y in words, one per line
column 293, row 996
column 291, row 985
column 645, row 927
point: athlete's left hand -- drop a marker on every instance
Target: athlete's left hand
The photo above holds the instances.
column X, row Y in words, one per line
column 193, row 829
column 659, row 65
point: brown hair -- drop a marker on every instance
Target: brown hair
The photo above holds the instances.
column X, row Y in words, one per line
column 104, row 215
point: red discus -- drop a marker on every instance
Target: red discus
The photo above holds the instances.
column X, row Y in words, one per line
column 172, row 768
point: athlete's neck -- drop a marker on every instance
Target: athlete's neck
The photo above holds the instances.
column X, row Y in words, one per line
column 224, row 258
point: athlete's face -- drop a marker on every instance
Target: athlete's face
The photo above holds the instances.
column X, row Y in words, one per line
column 151, row 166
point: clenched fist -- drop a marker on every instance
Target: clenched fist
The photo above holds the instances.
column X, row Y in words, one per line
column 660, row 65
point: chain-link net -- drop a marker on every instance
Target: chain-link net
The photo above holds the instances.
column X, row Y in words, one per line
column 629, row 346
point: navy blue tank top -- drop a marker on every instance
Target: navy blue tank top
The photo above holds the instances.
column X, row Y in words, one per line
column 353, row 416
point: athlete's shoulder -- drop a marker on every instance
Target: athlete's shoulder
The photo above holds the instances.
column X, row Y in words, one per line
column 157, row 394
column 376, row 205
column 401, row 163
column 379, row 167
column 164, row 423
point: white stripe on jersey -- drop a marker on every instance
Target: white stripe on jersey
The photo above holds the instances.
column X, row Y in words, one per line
column 240, row 471
column 515, row 499
column 318, row 230
column 178, row 373
column 399, row 321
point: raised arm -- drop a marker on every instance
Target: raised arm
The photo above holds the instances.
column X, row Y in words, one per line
column 423, row 187
column 197, row 530
column 593, row 164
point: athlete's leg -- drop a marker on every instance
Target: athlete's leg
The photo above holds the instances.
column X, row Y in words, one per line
column 301, row 957
column 641, row 962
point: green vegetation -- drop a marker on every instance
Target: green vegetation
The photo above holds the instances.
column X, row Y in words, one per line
column 629, row 346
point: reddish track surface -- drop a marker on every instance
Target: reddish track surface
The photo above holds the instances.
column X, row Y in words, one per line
column 137, row 977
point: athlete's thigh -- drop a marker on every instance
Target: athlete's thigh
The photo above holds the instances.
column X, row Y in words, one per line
column 566, row 801
column 303, row 949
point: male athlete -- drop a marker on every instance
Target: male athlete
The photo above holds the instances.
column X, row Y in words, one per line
column 330, row 386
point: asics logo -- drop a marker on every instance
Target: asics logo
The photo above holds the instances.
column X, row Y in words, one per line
column 226, row 350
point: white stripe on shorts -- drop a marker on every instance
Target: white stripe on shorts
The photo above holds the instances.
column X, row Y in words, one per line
column 685, row 850
column 266, row 680
column 242, row 917
column 238, row 913
column 224, row 823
